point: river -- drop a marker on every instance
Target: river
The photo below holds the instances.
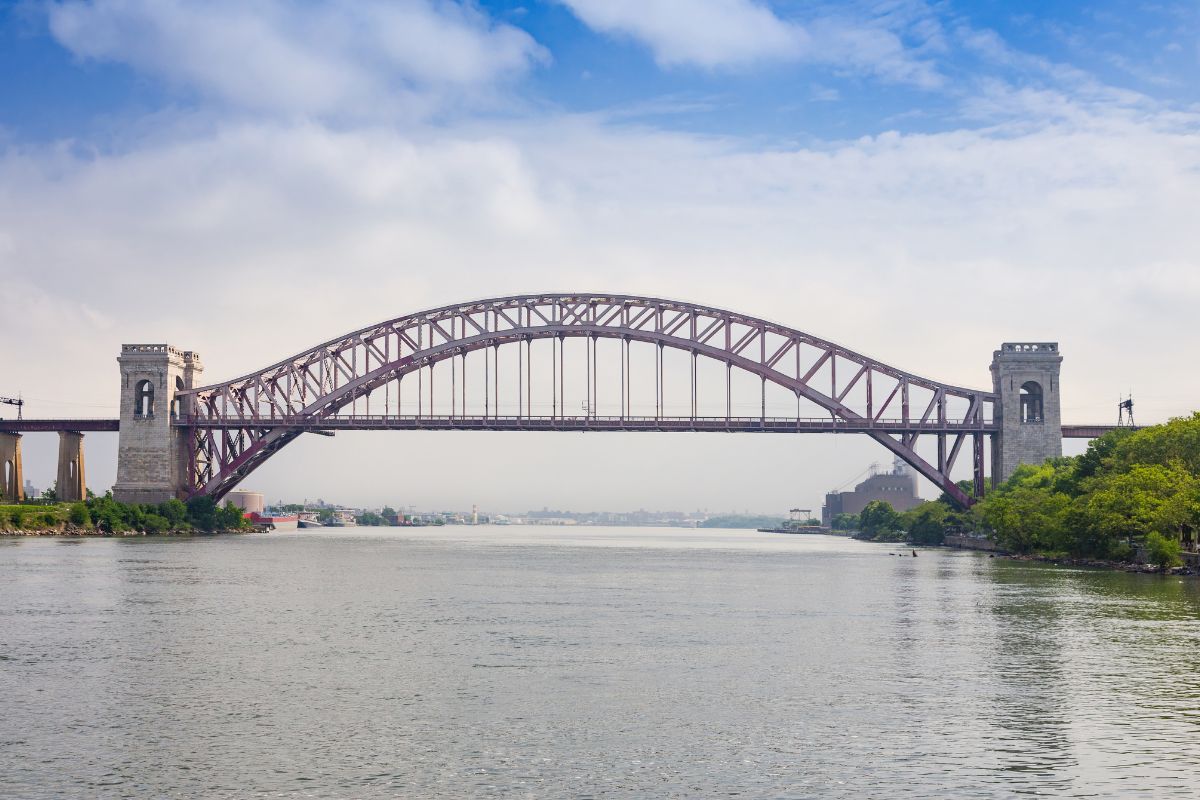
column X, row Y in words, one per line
column 585, row 662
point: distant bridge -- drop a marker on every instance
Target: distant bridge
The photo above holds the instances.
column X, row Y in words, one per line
column 552, row 363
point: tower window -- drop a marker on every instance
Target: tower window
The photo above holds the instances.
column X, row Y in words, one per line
column 143, row 399
column 1031, row 402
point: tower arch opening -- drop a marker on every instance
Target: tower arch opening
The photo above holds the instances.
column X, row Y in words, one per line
column 143, row 399
column 1031, row 402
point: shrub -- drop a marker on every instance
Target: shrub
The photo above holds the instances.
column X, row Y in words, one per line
column 175, row 512
column 1163, row 551
column 79, row 515
column 202, row 511
column 155, row 523
column 231, row 518
column 1120, row 551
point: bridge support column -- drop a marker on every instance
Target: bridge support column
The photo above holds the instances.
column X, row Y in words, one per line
column 1025, row 377
column 12, row 477
column 152, row 454
column 72, row 484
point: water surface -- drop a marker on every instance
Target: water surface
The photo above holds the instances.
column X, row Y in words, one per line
column 588, row 662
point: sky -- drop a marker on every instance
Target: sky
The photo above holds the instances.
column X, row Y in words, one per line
column 918, row 181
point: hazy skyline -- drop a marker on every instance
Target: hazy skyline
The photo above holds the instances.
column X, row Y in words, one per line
column 916, row 181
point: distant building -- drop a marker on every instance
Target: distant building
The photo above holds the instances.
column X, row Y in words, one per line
column 897, row 487
column 31, row 492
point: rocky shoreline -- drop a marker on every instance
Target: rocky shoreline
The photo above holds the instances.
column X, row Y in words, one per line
column 1096, row 563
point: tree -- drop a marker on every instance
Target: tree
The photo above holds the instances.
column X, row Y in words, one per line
column 1147, row 498
column 1174, row 441
column 230, row 518
column 926, row 524
column 967, row 487
column 175, row 512
column 1026, row 518
column 878, row 516
column 79, row 515
column 109, row 515
column 202, row 513
column 1099, row 453
column 844, row 522
column 1162, row 551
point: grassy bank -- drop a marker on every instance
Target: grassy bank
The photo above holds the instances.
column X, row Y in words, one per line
column 105, row 516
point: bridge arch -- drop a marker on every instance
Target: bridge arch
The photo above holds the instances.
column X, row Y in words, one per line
column 235, row 426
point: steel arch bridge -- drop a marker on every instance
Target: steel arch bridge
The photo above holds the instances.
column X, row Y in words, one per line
column 232, row 428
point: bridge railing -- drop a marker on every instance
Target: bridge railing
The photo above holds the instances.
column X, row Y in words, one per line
column 583, row 422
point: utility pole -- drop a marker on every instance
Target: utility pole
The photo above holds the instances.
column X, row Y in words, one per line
column 13, row 401
column 1125, row 412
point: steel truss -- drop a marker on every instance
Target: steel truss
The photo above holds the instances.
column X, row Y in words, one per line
column 234, row 427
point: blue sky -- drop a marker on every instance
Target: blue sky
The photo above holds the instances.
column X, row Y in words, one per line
column 919, row 180
column 1149, row 48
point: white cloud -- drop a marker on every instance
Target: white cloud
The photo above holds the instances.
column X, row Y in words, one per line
column 737, row 33
column 353, row 57
column 708, row 33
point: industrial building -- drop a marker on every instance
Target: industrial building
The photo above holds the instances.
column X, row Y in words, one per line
column 897, row 487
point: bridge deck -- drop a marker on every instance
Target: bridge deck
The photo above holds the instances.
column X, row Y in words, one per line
column 403, row 423
column 583, row 423
column 52, row 425
column 1086, row 431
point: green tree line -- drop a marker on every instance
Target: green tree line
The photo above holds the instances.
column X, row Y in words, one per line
column 110, row 516
column 1131, row 490
column 925, row 524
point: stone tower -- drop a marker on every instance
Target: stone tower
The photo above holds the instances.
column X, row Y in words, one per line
column 1025, row 376
column 151, row 454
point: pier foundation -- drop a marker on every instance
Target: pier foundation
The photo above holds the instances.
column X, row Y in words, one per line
column 12, row 478
column 72, row 484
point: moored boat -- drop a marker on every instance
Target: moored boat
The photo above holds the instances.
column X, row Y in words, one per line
column 278, row 522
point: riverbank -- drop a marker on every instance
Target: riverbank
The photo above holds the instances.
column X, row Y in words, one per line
column 104, row 516
column 95, row 533
column 1096, row 563
column 962, row 542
